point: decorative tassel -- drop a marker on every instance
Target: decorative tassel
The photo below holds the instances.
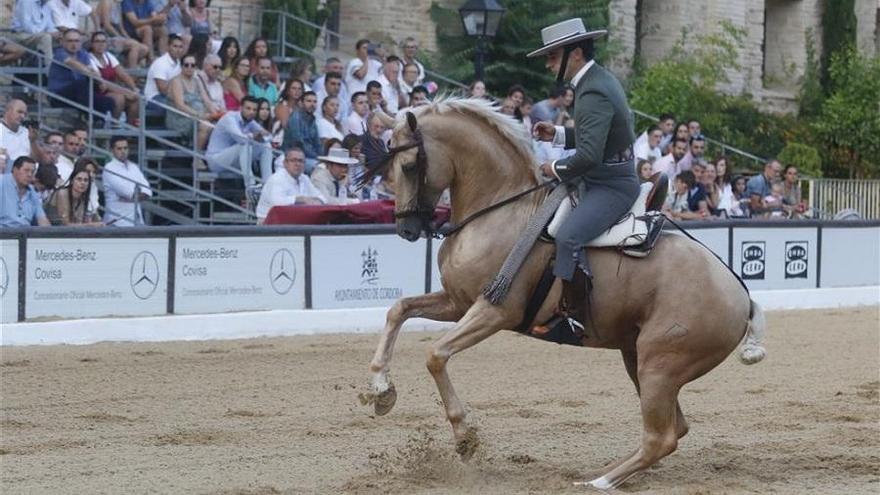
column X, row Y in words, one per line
column 497, row 290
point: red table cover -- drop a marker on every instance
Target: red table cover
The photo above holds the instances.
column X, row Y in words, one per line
column 380, row 211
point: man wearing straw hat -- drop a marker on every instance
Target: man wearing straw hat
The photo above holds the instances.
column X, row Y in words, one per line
column 331, row 176
column 602, row 165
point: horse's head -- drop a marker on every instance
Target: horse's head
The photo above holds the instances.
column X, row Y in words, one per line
column 417, row 187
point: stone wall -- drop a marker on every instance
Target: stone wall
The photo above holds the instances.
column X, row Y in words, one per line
column 389, row 22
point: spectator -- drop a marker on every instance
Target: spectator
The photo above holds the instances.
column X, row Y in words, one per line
column 649, row 148
column 547, row 110
column 258, row 49
column 355, row 123
column 82, row 133
column 677, row 201
column 105, row 64
column 264, row 114
column 188, row 96
column 698, row 167
column 694, row 127
column 201, row 18
column 199, row 47
column 418, row 97
column 179, row 18
column 773, row 205
column 229, row 53
column 392, row 91
column 238, row 140
column 508, row 107
column 758, row 187
column 69, row 14
column 409, row 79
column 110, row 21
column 208, row 78
column 235, row 86
column 54, row 140
column 10, row 52
column 374, row 97
column 163, row 70
column 260, row 85
column 723, row 182
column 644, row 170
column 695, row 152
column 410, row 48
column 477, row 89
column 288, row 186
column 73, row 83
column 696, row 198
column 737, row 205
column 671, row 164
column 302, row 131
column 70, row 150
column 46, row 180
column 362, row 69
column 332, row 66
column 124, row 187
column 792, row 199
column 31, row 26
column 331, row 176
column 517, row 94
column 15, row 138
column 681, row 132
column 711, row 189
column 667, row 125
column 332, row 87
column 374, row 148
column 91, row 167
column 328, row 125
column 566, row 108
column 146, row 23
column 302, row 71
column 289, row 101
column 69, row 205
column 20, row 205
column 525, row 111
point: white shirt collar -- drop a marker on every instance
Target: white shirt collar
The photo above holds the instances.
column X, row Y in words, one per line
column 580, row 74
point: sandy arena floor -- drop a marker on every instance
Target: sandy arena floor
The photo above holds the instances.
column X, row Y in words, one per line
column 281, row 415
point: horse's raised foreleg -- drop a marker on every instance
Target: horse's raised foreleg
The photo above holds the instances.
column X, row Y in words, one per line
column 480, row 322
column 434, row 306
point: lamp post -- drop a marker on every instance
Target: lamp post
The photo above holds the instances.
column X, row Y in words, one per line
column 481, row 19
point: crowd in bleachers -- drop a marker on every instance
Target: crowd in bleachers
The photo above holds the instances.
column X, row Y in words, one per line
column 297, row 137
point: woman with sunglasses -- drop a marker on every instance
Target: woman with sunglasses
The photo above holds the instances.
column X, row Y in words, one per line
column 235, row 86
column 189, row 97
column 103, row 62
column 68, row 205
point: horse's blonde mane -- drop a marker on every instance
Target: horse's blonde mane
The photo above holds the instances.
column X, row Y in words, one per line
column 509, row 128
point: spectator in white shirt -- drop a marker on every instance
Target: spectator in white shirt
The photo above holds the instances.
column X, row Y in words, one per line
column 328, row 125
column 70, row 150
column 392, row 92
column 410, row 47
column 375, row 98
column 362, row 69
column 332, row 87
column 15, row 138
column 68, row 14
column 649, row 149
column 288, row 186
column 332, row 66
column 355, row 123
column 331, row 175
column 124, row 187
column 163, row 70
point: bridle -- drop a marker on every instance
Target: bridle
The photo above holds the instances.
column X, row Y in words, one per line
column 424, row 211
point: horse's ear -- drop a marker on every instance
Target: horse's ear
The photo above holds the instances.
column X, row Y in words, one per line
column 411, row 120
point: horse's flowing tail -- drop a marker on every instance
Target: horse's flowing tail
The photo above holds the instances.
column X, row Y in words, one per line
column 752, row 350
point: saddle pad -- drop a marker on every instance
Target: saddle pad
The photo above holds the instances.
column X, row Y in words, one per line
column 629, row 231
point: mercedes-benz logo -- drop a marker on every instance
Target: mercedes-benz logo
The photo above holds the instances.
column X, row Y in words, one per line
column 4, row 277
column 144, row 275
column 282, row 271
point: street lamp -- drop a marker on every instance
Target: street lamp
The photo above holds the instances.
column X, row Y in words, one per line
column 481, row 19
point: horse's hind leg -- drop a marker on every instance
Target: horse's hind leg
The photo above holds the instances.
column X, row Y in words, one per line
column 480, row 322
column 434, row 306
column 658, row 396
column 630, row 361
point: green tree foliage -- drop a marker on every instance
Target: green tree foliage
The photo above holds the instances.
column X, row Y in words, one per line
column 805, row 158
column 838, row 32
column 298, row 34
column 849, row 125
column 520, row 32
column 811, row 93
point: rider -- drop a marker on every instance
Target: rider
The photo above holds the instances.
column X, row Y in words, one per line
column 603, row 137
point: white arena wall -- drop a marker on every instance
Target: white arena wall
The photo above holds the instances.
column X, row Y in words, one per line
column 77, row 286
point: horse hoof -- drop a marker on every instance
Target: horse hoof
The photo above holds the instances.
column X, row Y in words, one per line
column 467, row 446
column 384, row 402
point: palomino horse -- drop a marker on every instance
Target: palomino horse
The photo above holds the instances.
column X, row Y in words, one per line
column 670, row 328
